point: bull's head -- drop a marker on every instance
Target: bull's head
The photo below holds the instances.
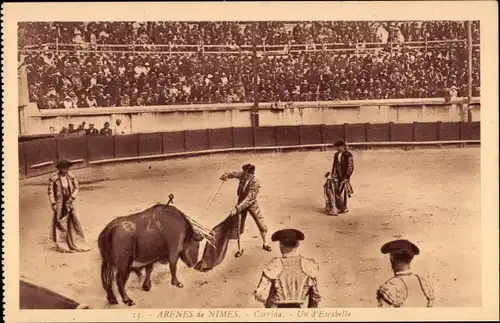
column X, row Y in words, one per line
column 189, row 255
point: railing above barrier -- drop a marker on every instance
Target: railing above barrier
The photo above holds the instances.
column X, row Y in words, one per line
column 39, row 156
column 248, row 106
column 280, row 49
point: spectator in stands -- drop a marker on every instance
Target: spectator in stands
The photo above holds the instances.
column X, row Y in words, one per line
column 52, row 101
column 91, row 101
column 125, row 100
column 101, row 100
column 67, row 103
column 82, row 101
column 74, row 99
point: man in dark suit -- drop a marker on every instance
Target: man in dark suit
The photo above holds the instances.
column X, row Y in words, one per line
column 106, row 131
column 338, row 186
column 91, row 131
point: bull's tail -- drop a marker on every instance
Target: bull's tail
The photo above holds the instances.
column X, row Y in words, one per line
column 107, row 276
column 105, row 243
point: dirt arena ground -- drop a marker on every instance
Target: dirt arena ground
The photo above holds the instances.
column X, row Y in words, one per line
column 431, row 197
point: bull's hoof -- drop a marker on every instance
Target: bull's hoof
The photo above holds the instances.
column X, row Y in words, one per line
column 178, row 284
column 146, row 288
column 129, row 302
column 112, row 301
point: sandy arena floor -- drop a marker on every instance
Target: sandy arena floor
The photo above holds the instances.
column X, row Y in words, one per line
column 431, row 197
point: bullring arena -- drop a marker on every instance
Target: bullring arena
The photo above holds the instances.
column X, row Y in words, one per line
column 430, row 196
column 147, row 109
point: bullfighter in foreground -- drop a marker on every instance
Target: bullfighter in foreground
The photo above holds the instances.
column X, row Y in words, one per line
column 248, row 189
column 289, row 281
column 66, row 231
column 405, row 289
column 338, row 187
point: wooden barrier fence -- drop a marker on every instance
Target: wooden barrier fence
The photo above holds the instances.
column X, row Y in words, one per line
column 39, row 156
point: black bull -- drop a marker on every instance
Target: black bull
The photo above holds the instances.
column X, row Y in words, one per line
column 158, row 234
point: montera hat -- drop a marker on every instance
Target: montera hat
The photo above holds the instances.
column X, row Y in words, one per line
column 400, row 246
column 288, row 237
column 249, row 168
column 63, row 164
column 339, row 143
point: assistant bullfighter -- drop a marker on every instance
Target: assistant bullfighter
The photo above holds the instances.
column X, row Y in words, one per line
column 405, row 288
column 338, row 187
column 289, row 281
column 67, row 232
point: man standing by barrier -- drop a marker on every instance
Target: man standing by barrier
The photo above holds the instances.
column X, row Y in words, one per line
column 119, row 129
column 66, row 232
column 91, row 131
column 248, row 189
column 338, row 186
column 106, row 131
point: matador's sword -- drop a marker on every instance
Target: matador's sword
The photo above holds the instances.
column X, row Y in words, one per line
column 213, row 198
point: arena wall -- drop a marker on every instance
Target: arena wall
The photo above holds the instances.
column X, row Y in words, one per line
column 153, row 119
column 39, row 156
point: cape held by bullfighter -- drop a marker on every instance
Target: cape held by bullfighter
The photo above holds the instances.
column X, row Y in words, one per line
column 63, row 188
column 161, row 233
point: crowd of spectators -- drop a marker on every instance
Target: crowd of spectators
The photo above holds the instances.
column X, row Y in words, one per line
column 240, row 33
column 106, row 80
column 86, row 79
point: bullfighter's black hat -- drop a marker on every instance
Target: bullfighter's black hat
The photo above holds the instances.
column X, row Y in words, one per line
column 249, row 168
column 339, row 143
column 63, row 164
column 288, row 237
column 400, row 246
